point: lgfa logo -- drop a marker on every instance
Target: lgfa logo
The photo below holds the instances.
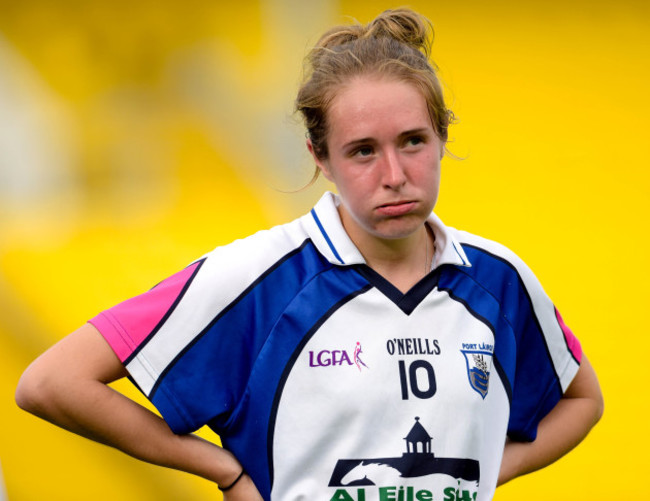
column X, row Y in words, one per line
column 332, row 358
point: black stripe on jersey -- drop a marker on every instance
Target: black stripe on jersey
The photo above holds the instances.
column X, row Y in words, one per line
column 480, row 318
column 292, row 361
column 407, row 302
column 221, row 313
column 530, row 302
column 167, row 314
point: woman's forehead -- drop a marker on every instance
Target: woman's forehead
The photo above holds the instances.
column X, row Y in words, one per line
column 376, row 106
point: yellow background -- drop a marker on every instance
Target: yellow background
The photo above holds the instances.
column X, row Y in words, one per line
column 135, row 136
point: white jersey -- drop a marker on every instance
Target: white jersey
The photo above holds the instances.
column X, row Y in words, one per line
column 328, row 383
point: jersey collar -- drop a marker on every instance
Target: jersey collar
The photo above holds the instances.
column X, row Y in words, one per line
column 324, row 227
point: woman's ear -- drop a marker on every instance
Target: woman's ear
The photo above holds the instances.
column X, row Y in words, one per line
column 323, row 165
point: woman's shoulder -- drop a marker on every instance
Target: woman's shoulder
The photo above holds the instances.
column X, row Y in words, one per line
column 489, row 256
column 260, row 249
column 486, row 245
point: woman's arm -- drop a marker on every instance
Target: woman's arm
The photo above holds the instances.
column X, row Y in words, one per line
column 67, row 386
column 561, row 430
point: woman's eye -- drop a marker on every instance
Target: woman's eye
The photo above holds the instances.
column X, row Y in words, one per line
column 364, row 151
column 414, row 141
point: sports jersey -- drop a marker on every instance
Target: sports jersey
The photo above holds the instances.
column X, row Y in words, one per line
column 328, row 383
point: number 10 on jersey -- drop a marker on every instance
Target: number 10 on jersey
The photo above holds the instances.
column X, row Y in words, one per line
column 417, row 378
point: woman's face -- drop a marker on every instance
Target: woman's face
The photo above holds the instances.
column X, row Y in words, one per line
column 384, row 158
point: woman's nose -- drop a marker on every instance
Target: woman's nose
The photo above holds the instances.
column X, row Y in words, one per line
column 393, row 171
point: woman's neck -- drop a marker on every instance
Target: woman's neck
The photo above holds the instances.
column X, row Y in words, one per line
column 403, row 262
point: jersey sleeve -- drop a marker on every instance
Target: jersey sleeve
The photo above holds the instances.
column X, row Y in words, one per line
column 548, row 358
column 152, row 332
column 548, row 355
column 190, row 343
column 538, row 355
column 127, row 326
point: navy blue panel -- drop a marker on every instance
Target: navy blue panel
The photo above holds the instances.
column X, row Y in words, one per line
column 209, row 388
column 498, row 295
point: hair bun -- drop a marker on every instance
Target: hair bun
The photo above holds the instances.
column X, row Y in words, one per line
column 402, row 25
column 405, row 26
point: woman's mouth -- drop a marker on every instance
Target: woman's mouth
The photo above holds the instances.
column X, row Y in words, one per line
column 394, row 209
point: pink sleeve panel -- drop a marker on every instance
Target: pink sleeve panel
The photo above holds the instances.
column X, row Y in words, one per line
column 571, row 341
column 129, row 324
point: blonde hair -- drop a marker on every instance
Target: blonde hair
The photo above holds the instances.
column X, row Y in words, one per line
column 396, row 44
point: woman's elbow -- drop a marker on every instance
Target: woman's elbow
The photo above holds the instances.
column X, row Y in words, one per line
column 585, row 386
column 56, row 376
column 599, row 406
column 31, row 391
column 36, row 389
column 595, row 393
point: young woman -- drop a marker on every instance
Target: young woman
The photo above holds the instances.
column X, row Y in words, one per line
column 362, row 351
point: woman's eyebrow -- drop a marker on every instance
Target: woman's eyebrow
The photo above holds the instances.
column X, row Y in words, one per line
column 420, row 130
column 370, row 140
column 357, row 142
